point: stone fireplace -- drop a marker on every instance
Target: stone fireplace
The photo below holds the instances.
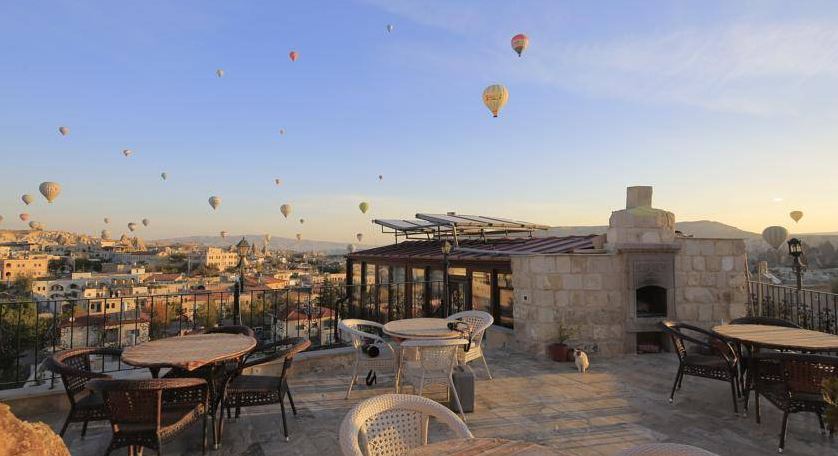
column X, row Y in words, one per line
column 616, row 296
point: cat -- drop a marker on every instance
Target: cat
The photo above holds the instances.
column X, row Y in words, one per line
column 582, row 362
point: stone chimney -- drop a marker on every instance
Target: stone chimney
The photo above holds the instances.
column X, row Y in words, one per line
column 640, row 225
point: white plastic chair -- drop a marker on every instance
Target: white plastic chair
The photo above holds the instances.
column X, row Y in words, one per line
column 351, row 331
column 434, row 366
column 478, row 322
column 393, row 424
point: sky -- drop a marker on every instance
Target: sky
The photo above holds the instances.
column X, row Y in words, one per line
column 727, row 108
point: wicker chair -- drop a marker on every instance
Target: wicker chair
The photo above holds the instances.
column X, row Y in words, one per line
column 74, row 367
column 393, row 424
column 435, row 366
column 246, row 390
column 352, row 330
column 722, row 364
column 148, row 413
column 800, row 387
column 478, row 322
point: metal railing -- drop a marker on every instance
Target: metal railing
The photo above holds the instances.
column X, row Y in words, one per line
column 810, row 309
column 32, row 329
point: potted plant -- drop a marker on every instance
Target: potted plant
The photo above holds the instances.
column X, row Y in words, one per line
column 559, row 351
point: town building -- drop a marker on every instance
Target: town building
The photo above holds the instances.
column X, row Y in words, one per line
column 34, row 266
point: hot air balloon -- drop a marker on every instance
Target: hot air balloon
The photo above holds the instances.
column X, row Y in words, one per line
column 302, row 221
column 775, row 236
column 132, row 226
column 127, row 152
column 380, row 177
column 146, row 222
column 495, row 97
column 359, row 237
column 223, row 235
column 520, row 43
column 364, row 207
column 390, row 28
column 795, row 215
column 105, row 234
column 219, row 72
column 24, row 217
column 50, row 190
column 35, row 225
column 64, row 131
column 350, row 248
column 285, row 209
column 278, row 181
column 282, row 131
column 107, row 220
column 27, row 199
column 267, row 238
column 164, row 175
column 293, row 56
column 299, row 236
column 214, row 201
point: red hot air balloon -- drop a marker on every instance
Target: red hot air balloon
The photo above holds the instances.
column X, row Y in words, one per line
column 520, row 43
column 293, row 56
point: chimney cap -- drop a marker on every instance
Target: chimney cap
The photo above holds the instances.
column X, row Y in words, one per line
column 639, row 196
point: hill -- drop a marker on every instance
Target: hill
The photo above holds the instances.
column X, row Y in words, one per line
column 700, row 228
column 279, row 243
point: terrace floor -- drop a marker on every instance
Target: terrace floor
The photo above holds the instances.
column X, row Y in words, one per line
column 619, row 403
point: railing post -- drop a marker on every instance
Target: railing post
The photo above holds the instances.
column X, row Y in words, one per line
column 237, row 316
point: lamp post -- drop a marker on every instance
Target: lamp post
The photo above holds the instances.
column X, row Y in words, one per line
column 796, row 250
column 446, row 300
column 241, row 249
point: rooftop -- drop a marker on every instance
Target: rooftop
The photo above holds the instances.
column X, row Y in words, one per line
column 620, row 403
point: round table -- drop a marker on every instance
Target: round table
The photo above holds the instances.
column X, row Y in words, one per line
column 756, row 337
column 779, row 337
column 420, row 328
column 665, row 449
column 483, row 446
column 188, row 352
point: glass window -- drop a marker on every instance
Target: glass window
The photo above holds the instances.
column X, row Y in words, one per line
column 507, row 300
column 481, row 292
column 457, row 271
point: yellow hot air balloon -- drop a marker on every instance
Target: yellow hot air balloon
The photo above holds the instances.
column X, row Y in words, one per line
column 775, row 236
column 796, row 215
column 299, row 236
column 214, row 201
column 27, row 199
column 223, row 235
column 64, row 131
column 146, row 222
column 495, row 97
column 364, row 207
column 24, row 216
column 359, row 237
column 285, row 209
column 132, row 226
column 219, row 72
column 50, row 190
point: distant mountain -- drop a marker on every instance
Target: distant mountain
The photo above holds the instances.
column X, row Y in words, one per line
column 701, row 228
column 304, row 245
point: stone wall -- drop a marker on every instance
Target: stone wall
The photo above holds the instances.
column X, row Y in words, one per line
column 710, row 283
column 584, row 291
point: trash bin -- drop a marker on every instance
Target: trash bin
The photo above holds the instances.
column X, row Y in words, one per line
column 464, row 384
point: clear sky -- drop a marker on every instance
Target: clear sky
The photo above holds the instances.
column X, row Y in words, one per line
column 727, row 108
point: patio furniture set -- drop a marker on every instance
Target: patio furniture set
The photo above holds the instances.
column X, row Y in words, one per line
column 205, row 375
column 772, row 358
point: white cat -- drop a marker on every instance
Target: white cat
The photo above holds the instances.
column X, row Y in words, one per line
column 582, row 362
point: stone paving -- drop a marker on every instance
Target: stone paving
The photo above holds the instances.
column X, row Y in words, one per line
column 621, row 402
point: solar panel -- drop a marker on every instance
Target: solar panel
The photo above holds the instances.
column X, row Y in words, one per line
column 406, row 225
column 479, row 221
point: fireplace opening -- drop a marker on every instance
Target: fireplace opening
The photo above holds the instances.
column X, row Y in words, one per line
column 651, row 301
column 650, row 342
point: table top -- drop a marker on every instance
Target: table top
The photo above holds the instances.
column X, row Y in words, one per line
column 490, row 447
column 665, row 449
column 420, row 328
column 188, row 352
column 779, row 337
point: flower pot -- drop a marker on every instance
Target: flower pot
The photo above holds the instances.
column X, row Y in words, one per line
column 559, row 352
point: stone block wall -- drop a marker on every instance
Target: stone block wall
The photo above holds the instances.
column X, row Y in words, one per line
column 710, row 283
column 583, row 291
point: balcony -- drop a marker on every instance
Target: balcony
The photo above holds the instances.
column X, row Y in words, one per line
column 620, row 403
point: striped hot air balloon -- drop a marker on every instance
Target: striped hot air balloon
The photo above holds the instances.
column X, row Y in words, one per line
column 775, row 236
column 495, row 97
column 520, row 43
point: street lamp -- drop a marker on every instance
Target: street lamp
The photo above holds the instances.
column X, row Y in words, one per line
column 242, row 248
column 446, row 250
column 796, row 250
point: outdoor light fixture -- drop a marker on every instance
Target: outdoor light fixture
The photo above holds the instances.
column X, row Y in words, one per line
column 446, row 248
column 446, row 300
column 796, row 250
column 241, row 249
